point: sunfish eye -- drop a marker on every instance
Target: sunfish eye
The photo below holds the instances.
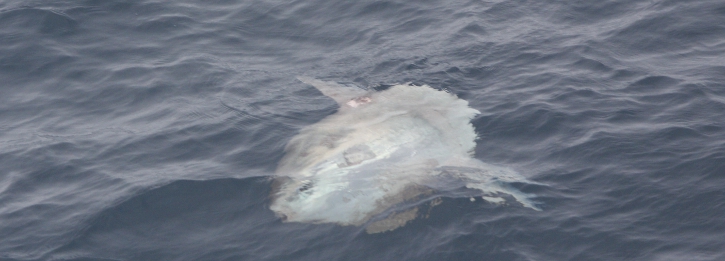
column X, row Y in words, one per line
column 300, row 192
column 305, row 187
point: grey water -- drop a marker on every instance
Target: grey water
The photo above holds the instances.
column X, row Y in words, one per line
column 149, row 130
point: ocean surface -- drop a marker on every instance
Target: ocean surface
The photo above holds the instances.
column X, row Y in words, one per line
column 150, row 130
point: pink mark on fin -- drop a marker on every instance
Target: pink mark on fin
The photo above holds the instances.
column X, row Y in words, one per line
column 358, row 101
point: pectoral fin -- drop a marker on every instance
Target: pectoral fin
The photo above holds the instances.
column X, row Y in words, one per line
column 490, row 180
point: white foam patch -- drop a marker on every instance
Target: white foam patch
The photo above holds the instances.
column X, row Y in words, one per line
column 494, row 200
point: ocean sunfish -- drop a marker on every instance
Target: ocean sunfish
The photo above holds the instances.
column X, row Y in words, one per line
column 382, row 149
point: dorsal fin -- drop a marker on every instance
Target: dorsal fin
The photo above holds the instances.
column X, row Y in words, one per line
column 338, row 92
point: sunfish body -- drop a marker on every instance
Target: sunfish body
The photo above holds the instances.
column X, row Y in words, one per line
column 381, row 149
